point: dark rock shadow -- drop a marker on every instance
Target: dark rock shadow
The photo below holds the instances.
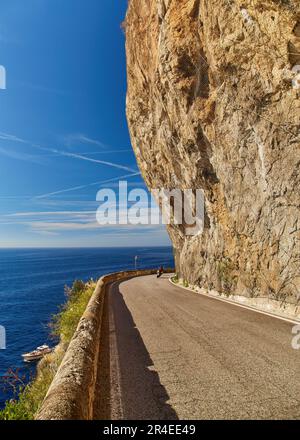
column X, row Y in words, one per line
column 101, row 406
column 143, row 397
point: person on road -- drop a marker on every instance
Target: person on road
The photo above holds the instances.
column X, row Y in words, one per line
column 160, row 271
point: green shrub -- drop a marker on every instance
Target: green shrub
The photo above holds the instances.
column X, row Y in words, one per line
column 31, row 396
column 175, row 278
column 225, row 270
column 65, row 322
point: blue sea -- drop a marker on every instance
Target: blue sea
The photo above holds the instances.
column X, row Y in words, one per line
column 32, row 289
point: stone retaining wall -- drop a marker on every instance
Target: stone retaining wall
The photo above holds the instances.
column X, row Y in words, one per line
column 71, row 394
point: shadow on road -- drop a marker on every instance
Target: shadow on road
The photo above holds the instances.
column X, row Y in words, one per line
column 142, row 395
column 102, row 408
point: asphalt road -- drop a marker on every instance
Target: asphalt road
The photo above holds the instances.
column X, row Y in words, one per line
column 172, row 354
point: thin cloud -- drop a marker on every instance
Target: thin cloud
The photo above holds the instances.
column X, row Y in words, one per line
column 61, row 226
column 42, row 88
column 41, row 232
column 21, row 156
column 49, row 213
column 74, row 226
column 83, row 139
column 15, row 197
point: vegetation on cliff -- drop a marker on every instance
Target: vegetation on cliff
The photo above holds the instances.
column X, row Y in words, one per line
column 30, row 397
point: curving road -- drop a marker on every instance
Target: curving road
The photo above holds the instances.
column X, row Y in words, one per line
column 172, row 354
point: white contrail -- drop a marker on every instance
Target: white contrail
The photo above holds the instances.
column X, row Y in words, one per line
column 48, row 213
column 9, row 137
column 74, row 188
column 88, row 159
column 21, row 156
column 87, row 140
column 93, row 153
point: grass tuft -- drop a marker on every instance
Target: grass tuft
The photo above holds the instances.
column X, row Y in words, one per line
column 30, row 397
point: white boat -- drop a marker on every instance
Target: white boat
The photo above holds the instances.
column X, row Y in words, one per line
column 37, row 354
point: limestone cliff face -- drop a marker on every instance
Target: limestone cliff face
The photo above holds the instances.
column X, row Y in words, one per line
column 212, row 104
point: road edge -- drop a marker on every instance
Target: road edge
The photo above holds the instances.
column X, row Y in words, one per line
column 72, row 392
column 238, row 304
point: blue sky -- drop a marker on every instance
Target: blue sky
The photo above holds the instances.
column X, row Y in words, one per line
column 62, row 123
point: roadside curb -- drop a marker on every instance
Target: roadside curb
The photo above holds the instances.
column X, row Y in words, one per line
column 239, row 304
column 72, row 392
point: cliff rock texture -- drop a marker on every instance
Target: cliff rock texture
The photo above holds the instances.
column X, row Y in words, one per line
column 213, row 103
